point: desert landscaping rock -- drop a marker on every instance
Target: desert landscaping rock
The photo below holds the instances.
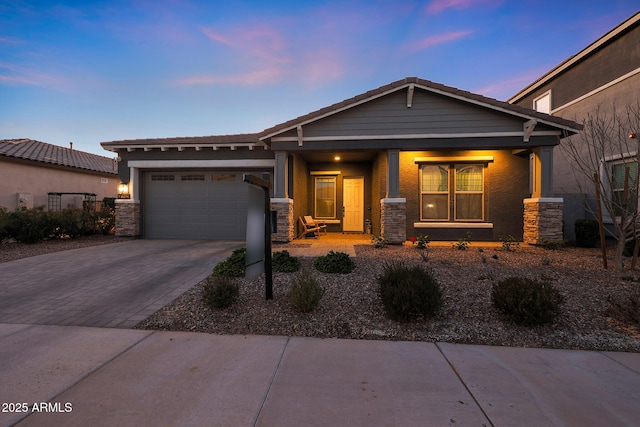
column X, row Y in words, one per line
column 351, row 307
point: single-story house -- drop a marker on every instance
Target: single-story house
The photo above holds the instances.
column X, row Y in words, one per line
column 411, row 157
column 31, row 170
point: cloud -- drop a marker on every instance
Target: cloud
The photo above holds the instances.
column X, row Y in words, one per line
column 506, row 88
column 438, row 6
column 435, row 40
column 14, row 74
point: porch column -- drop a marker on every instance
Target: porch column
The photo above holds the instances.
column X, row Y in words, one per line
column 542, row 212
column 285, row 221
column 128, row 210
column 393, row 174
column 281, row 203
column 281, row 175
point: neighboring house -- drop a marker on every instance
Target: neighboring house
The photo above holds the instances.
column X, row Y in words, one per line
column 30, row 170
column 603, row 75
column 408, row 158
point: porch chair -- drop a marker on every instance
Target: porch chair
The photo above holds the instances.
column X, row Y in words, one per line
column 308, row 228
column 323, row 225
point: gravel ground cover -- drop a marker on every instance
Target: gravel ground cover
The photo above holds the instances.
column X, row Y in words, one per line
column 10, row 251
column 350, row 307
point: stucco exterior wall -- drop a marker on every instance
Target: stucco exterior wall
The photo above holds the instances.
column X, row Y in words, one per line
column 18, row 177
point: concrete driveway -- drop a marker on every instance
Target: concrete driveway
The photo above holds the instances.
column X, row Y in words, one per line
column 115, row 285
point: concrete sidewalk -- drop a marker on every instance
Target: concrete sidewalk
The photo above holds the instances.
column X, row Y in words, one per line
column 78, row 376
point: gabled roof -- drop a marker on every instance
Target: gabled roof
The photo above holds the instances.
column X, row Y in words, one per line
column 198, row 142
column 494, row 104
column 574, row 59
column 41, row 152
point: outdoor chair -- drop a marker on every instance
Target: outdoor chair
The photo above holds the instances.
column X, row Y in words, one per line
column 308, row 228
column 323, row 225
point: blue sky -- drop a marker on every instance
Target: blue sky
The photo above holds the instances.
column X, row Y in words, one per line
column 93, row 71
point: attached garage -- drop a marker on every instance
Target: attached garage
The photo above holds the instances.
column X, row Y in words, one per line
column 208, row 205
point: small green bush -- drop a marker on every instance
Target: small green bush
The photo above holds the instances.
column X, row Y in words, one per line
column 4, row 221
column 28, row 225
column 378, row 241
column 305, row 292
column 220, row 291
column 587, row 233
column 334, row 262
column 527, row 301
column 509, row 243
column 283, row 262
column 234, row 265
column 423, row 241
column 409, row 292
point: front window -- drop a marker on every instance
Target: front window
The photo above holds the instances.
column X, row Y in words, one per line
column 325, row 197
column 452, row 191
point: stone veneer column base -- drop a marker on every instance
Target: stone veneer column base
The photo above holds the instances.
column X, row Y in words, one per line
column 393, row 220
column 543, row 220
column 286, row 224
column 127, row 218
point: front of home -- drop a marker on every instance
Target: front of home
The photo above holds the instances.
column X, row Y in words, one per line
column 412, row 157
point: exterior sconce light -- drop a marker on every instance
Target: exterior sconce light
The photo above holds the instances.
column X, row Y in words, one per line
column 123, row 191
column 632, row 135
column 336, row 158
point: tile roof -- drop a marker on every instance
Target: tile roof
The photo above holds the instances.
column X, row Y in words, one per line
column 428, row 85
column 41, row 152
column 244, row 138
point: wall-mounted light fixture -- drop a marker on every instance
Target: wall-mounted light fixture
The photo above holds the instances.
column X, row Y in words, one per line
column 123, row 191
column 336, row 158
column 632, row 135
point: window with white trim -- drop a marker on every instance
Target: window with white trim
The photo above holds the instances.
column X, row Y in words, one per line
column 617, row 170
column 543, row 103
column 324, row 197
column 452, row 191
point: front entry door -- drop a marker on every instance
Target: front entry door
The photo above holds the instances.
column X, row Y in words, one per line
column 353, row 204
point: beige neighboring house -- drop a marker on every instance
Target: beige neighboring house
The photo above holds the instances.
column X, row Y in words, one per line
column 603, row 75
column 30, row 170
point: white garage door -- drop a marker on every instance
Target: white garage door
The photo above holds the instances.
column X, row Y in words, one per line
column 194, row 205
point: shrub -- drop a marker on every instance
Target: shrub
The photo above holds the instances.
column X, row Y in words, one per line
column 67, row 223
column 587, row 233
column 378, row 242
column 409, row 292
column 105, row 218
column 282, row 262
column 4, row 221
column 234, row 265
column 220, row 291
column 527, row 301
column 463, row 242
column 334, row 262
column 422, row 241
column 28, row 225
column 509, row 243
column 305, row 292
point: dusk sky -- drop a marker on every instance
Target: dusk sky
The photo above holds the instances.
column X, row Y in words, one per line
column 93, row 71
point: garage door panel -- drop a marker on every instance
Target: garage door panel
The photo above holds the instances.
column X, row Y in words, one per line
column 195, row 205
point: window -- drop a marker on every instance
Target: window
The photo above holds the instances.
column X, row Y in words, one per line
column 325, row 197
column 452, row 191
column 543, row 103
column 618, row 172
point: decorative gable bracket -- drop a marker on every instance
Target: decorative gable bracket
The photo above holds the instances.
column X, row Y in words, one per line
column 528, row 128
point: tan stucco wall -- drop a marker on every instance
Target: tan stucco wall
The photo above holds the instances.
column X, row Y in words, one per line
column 18, row 178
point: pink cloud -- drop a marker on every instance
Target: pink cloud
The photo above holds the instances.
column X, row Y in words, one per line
column 264, row 76
column 438, row 6
column 435, row 40
column 13, row 74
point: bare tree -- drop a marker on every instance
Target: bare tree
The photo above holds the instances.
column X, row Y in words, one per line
column 604, row 158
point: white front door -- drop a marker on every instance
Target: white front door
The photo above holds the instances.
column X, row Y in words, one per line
column 353, row 204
